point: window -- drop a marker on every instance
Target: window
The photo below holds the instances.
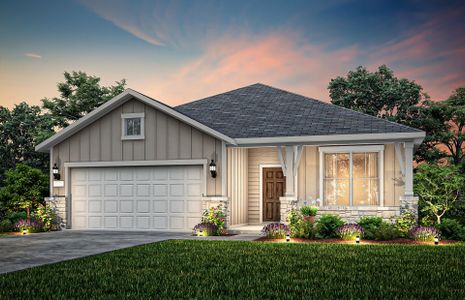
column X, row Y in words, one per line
column 133, row 126
column 351, row 176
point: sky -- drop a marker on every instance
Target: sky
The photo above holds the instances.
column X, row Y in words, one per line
column 179, row 51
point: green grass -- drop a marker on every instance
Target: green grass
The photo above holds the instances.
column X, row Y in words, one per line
column 227, row 269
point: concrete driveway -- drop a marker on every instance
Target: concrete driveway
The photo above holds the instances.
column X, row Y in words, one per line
column 21, row 252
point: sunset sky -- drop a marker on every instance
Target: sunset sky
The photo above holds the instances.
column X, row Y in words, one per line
column 178, row 51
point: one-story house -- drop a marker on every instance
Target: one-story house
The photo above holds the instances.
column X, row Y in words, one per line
column 135, row 163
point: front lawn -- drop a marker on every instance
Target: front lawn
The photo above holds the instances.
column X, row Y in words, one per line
column 227, row 269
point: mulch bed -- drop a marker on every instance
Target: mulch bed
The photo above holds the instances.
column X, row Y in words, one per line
column 339, row 241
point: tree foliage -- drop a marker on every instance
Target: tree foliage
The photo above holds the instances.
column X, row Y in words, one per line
column 439, row 189
column 79, row 94
column 444, row 123
column 21, row 129
column 377, row 93
column 25, row 187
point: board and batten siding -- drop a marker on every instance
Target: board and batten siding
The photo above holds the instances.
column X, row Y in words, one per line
column 166, row 138
column 308, row 177
column 237, row 184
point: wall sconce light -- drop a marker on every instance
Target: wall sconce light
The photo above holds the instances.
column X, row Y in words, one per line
column 288, row 237
column 357, row 240
column 56, row 172
column 213, row 168
column 436, row 240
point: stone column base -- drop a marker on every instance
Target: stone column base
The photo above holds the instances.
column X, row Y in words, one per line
column 287, row 204
column 58, row 206
column 208, row 202
column 409, row 202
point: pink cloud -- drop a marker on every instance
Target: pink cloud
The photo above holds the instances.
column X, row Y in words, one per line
column 277, row 59
column 33, row 55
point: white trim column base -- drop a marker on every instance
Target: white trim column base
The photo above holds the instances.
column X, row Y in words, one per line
column 213, row 201
column 287, row 203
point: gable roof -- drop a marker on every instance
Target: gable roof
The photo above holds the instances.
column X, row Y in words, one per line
column 261, row 111
column 117, row 101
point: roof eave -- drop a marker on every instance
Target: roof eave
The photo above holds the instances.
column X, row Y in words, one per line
column 415, row 137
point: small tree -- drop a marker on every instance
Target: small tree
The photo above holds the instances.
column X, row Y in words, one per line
column 24, row 188
column 439, row 188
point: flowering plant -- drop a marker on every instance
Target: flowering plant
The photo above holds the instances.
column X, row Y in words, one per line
column 205, row 229
column 275, row 231
column 214, row 215
column 47, row 217
column 424, row 233
column 350, row 231
column 29, row 225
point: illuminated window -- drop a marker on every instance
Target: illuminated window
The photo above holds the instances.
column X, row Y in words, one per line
column 351, row 176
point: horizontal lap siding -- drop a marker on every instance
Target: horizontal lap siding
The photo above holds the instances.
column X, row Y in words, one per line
column 165, row 138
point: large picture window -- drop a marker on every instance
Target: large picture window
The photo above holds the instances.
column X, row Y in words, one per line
column 351, row 177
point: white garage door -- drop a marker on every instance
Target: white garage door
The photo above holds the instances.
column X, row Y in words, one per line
column 136, row 198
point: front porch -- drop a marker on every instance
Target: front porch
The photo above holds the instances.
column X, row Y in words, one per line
column 253, row 201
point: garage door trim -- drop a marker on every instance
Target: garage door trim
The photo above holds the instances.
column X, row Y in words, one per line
column 135, row 163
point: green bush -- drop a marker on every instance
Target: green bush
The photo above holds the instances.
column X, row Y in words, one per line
column 452, row 230
column 406, row 222
column 299, row 227
column 15, row 216
column 46, row 216
column 6, row 225
column 326, row 226
column 371, row 225
column 307, row 210
column 386, row 232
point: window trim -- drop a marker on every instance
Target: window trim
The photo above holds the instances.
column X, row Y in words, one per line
column 125, row 116
column 350, row 150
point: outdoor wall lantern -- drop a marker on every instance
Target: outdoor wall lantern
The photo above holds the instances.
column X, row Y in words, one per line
column 357, row 240
column 213, row 168
column 56, row 172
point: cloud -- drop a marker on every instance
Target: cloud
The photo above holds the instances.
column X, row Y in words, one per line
column 33, row 55
column 277, row 59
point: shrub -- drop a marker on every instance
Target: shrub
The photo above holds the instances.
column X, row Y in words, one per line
column 350, row 231
column 451, row 229
column 326, row 226
column 406, row 222
column 424, row 233
column 47, row 217
column 370, row 225
column 205, row 229
column 29, row 225
column 275, row 231
column 300, row 228
column 214, row 215
column 385, row 232
column 15, row 216
column 307, row 210
column 6, row 225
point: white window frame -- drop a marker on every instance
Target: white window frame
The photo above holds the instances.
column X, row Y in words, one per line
column 125, row 116
column 350, row 150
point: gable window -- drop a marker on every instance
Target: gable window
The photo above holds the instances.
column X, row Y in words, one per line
column 351, row 176
column 133, row 126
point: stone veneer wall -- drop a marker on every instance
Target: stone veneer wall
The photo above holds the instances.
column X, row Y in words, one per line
column 58, row 205
column 353, row 214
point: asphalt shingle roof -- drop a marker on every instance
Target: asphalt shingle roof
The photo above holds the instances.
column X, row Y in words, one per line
column 259, row 110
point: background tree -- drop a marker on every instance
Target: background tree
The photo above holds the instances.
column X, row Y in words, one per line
column 79, row 94
column 25, row 187
column 444, row 123
column 377, row 93
column 439, row 189
column 21, row 129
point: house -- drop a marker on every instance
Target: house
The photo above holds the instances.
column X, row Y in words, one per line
column 135, row 163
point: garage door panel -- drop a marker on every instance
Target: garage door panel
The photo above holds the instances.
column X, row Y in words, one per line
column 136, row 198
column 143, row 206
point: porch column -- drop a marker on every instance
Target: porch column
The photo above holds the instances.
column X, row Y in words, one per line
column 289, row 163
column 408, row 200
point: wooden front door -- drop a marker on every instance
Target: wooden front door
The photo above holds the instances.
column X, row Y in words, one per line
column 274, row 185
